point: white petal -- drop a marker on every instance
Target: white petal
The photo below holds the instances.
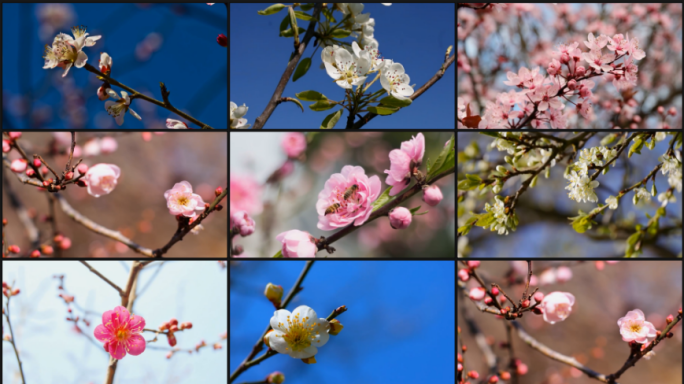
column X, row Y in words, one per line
column 112, row 93
column 132, row 112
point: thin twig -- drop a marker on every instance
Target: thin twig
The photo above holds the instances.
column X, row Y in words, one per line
column 14, row 346
column 100, row 275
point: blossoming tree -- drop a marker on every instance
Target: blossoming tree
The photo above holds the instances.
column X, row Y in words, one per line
column 569, row 66
column 529, row 321
column 495, row 188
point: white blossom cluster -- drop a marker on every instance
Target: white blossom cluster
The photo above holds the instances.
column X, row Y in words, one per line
column 581, row 186
column 673, row 168
column 501, row 219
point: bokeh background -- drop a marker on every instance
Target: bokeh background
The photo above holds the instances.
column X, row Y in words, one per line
column 398, row 327
column 136, row 207
column 148, row 42
column 543, row 211
column 590, row 334
column 257, row 68
column 53, row 351
column 493, row 42
column 292, row 204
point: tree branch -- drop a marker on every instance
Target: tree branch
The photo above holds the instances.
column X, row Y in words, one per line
column 12, row 341
column 101, row 276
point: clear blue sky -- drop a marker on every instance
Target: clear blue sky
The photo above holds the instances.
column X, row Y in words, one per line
column 189, row 61
column 399, row 327
column 415, row 35
column 52, row 352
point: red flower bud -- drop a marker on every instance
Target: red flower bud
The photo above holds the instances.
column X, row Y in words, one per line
column 46, row 183
column 473, row 375
column 525, row 303
column 30, row 173
column 222, row 40
column 218, row 191
column 69, row 175
column 669, row 319
column 35, row 253
column 37, row 163
column 495, row 291
column 219, row 207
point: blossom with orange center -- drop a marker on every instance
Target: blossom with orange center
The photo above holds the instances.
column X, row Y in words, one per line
column 120, row 331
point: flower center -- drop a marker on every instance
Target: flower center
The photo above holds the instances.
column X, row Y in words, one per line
column 182, row 200
column 634, row 327
column 299, row 335
column 121, row 334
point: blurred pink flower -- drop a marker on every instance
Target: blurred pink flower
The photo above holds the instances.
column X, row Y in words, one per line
column 294, row 143
column 245, row 194
column 181, row 201
column 634, row 327
column 563, row 274
column 557, row 306
column 108, row 144
column 297, row 244
column 120, row 331
column 6, row 147
column 356, row 208
column 243, row 222
column 477, row 294
column 400, row 218
column 432, row 195
column 18, row 165
column 102, row 178
column 403, row 161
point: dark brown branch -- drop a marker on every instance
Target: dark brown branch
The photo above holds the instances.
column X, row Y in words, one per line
column 285, row 78
column 101, row 276
column 22, row 213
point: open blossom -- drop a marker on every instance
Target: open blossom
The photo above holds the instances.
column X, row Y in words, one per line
column 477, row 293
column 547, row 97
column 634, row 327
column 294, row 144
column 598, row 61
column 18, row 165
column 501, row 219
column 556, row 306
column 334, row 211
column 181, row 201
column 102, row 178
column 120, row 331
column 66, row 51
column 596, row 44
column 403, row 161
column 395, row 80
column 619, row 44
column 242, row 222
column 461, row 108
column 298, row 334
column 175, row 124
column 297, row 243
column 236, row 113
column 347, row 68
column 672, row 167
column 118, row 108
column 245, row 194
column 581, row 187
column 612, row 202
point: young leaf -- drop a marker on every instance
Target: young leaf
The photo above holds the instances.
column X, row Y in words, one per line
column 382, row 110
column 330, row 120
column 392, row 101
column 382, row 199
column 340, row 33
column 303, row 16
column 302, row 68
column 292, row 99
column 275, row 8
column 321, row 105
column 310, row 96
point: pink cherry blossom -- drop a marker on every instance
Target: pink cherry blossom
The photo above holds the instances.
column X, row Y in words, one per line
column 6, row 147
column 619, row 44
column 557, row 306
column 356, row 208
column 120, row 331
column 554, row 68
column 245, row 194
column 18, row 165
column 102, row 178
column 547, row 97
column 400, row 218
column 477, row 294
column 596, row 44
column 294, row 143
column 557, row 119
column 518, row 80
column 243, row 222
column 403, row 161
column 297, row 243
column 598, row 61
column 181, row 201
column 634, row 327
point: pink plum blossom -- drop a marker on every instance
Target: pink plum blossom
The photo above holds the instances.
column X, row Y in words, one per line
column 477, row 294
column 108, row 144
column 6, row 147
column 243, row 222
column 432, row 195
column 120, row 331
column 598, row 62
column 547, row 97
column 297, row 243
column 596, row 44
column 563, row 274
column 357, row 207
column 400, row 218
column 18, row 165
column 634, row 327
column 245, row 194
column 181, row 201
column 102, row 178
column 557, row 306
column 403, row 161
column 294, row 143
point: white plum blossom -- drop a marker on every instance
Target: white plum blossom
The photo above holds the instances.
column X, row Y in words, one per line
column 371, row 50
column 67, row 51
column 641, row 193
column 175, row 124
column 348, row 69
column 501, row 219
column 581, row 187
column 105, row 63
column 236, row 113
column 612, row 202
column 395, row 80
column 666, row 197
column 298, row 334
column 118, row 108
column 672, row 167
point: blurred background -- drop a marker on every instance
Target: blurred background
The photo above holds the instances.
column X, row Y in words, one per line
column 150, row 165
column 256, row 72
column 398, row 326
column 148, row 42
column 291, row 204
column 493, row 42
column 543, row 211
column 53, row 350
column 590, row 333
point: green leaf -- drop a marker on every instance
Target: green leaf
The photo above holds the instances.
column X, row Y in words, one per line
column 289, row 32
column 415, row 210
column 474, row 178
column 310, row 96
column 608, row 139
column 303, row 16
column 464, row 230
column 293, row 22
column 491, row 134
column 306, row 7
column 392, row 101
column 636, row 147
column 382, row 110
column 302, row 69
column 382, row 199
column 340, row 33
column 292, row 99
column 485, row 220
column 445, row 160
column 275, row 8
column 278, row 255
column 284, row 24
column 328, row 15
column 321, row 105
column 582, row 224
column 330, row 120
column 633, row 239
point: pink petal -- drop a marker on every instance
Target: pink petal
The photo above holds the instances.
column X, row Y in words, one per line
column 117, row 350
column 136, row 324
column 102, row 333
column 135, row 345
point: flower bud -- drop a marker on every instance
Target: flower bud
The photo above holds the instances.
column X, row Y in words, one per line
column 44, row 170
column 661, row 110
column 521, row 369
column 672, row 111
column 493, row 379
column 669, row 334
column 400, row 218
column 172, row 339
column 525, row 303
column 503, row 311
column 46, row 249
column 222, row 40
column 218, row 191
column 69, row 175
column 37, row 163
column 82, row 168
column 30, row 173
column 496, row 189
column 35, row 253
column 473, row 375
column 187, row 325
column 537, row 311
column 275, row 378
column 432, row 195
column 18, row 165
column 14, row 135
column 274, row 293
column 580, row 71
column 473, row 264
column 173, row 328
column 505, row 375
column 572, row 85
column 477, row 294
column 669, row 319
column 501, row 168
column 460, row 367
column 488, row 300
column 310, row 360
column 335, row 327
column 463, row 275
column 538, row 296
column 6, row 146
column 13, row 249
column 495, row 291
column 565, row 58
column 17, row 290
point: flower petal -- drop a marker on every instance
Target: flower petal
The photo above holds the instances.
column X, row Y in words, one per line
column 135, row 344
column 136, row 324
column 102, row 333
column 117, row 350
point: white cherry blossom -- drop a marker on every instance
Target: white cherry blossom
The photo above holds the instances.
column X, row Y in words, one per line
column 175, row 124
column 236, row 113
column 67, row 51
column 395, row 80
column 118, row 108
column 348, row 69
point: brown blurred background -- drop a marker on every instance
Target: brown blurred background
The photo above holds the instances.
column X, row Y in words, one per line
column 150, row 163
column 590, row 333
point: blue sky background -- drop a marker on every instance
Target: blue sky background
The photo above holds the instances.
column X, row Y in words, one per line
column 189, row 61
column 398, row 327
column 549, row 237
column 52, row 352
column 415, row 35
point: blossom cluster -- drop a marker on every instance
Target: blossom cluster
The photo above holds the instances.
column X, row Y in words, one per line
column 236, row 113
column 581, row 186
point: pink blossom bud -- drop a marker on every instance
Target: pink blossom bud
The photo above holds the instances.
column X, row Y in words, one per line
column 565, row 58
column 243, row 222
column 525, row 303
column 168, row 355
column 14, row 135
column 65, row 243
column 108, row 145
column 82, row 168
column 505, row 375
column 18, row 165
column 81, row 183
column 521, row 369
column 35, row 253
column 222, row 40
column 463, row 274
column 6, row 147
column 102, row 93
column 294, row 144
column 13, row 249
column 473, row 375
column 171, row 339
column 44, row 170
column 69, row 175
column 563, row 274
column 661, row 110
column 495, row 291
column 672, row 111
column 477, row 294
column 488, row 300
column 218, row 191
column 580, row 71
column 296, row 243
column 400, row 218
column 669, row 319
column 46, row 249
column 504, row 311
column 432, row 195
column 187, row 325
column 494, row 379
column 37, row 163
column 572, row 85
column 637, row 119
column 460, row 367
column 30, row 173
column 173, row 321
column 473, row 263
column 538, row 297
column 585, row 92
